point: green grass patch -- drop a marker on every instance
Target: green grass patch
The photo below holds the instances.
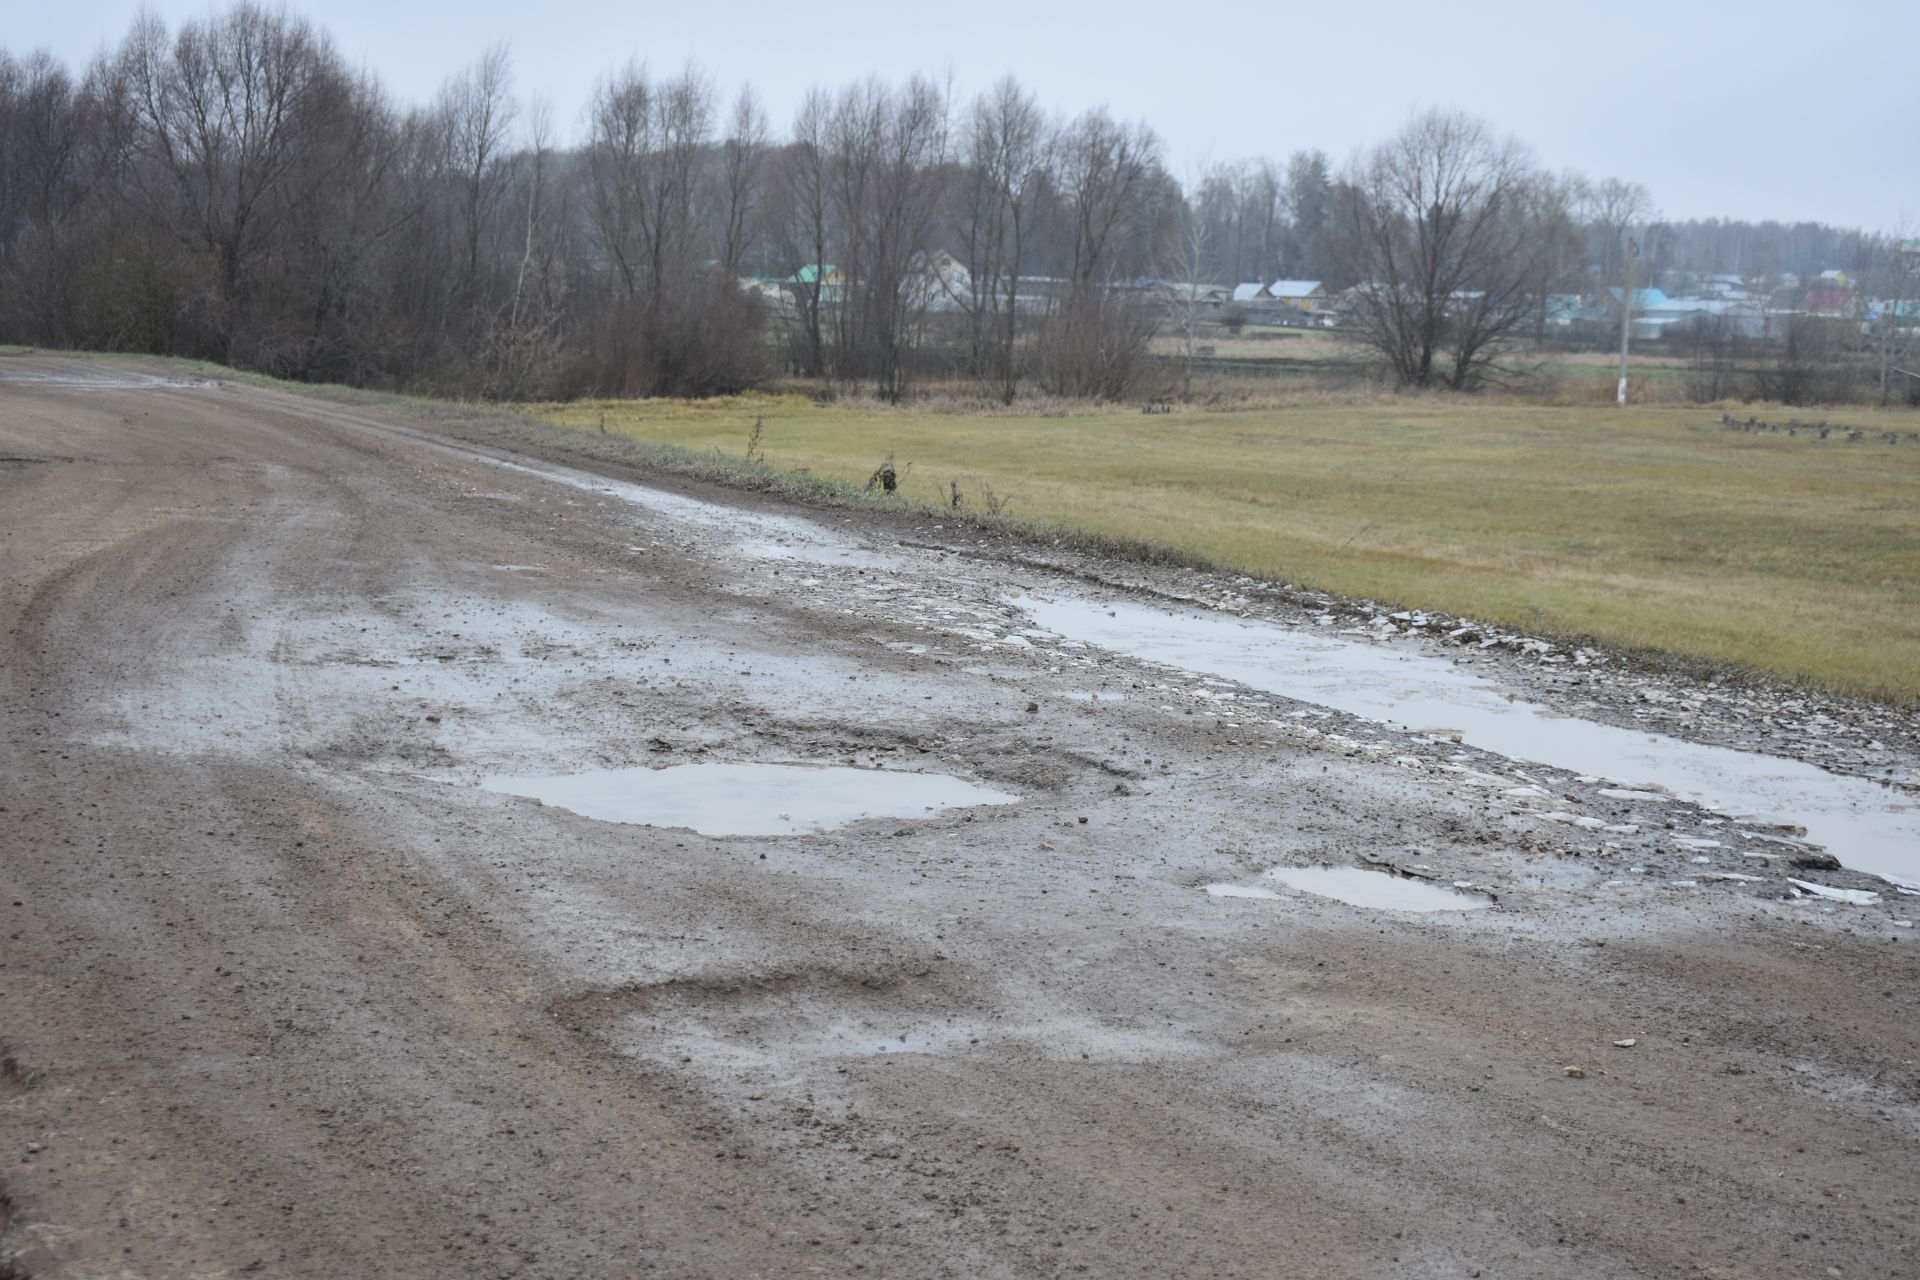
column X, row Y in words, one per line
column 1645, row 528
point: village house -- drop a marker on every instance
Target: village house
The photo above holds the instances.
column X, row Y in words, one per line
column 1299, row 295
column 1676, row 316
column 821, row 278
column 1822, row 298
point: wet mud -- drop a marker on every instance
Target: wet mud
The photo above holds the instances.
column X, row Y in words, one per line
column 305, row 992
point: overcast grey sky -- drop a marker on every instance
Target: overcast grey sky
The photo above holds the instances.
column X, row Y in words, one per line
column 1758, row 109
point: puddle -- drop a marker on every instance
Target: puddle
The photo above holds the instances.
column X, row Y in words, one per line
column 1867, row 826
column 1240, row 891
column 1357, row 887
column 756, row 535
column 748, row 799
column 815, row 550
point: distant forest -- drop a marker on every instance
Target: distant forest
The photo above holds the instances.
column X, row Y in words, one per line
column 233, row 191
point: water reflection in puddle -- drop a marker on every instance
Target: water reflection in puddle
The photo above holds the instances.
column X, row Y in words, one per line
column 1866, row 825
column 1357, row 887
column 748, row 799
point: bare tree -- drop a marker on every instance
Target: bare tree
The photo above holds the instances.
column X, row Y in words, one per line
column 888, row 150
column 742, row 156
column 1443, row 228
column 228, row 115
column 1106, row 172
column 854, row 142
column 806, row 188
column 1219, row 197
column 1893, row 335
column 61, row 149
column 525, row 339
column 645, row 169
column 477, row 111
column 44, row 124
column 340, row 228
column 683, row 130
column 1613, row 207
column 1309, row 206
column 1008, row 153
column 1186, row 265
column 1114, row 201
column 620, row 152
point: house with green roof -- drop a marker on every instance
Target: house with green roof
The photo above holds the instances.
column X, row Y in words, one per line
column 816, row 282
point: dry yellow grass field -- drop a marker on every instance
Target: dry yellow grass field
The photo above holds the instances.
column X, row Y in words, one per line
column 1649, row 527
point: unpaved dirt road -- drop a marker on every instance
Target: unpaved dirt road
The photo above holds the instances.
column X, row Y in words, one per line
column 284, row 991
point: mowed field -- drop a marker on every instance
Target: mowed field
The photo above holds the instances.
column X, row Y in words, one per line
column 1649, row 527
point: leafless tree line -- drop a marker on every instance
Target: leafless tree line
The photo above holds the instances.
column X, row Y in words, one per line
column 232, row 191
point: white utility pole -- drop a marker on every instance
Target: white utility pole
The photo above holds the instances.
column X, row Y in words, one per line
column 1629, row 251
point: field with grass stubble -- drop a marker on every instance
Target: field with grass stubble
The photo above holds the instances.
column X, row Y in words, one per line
column 1651, row 527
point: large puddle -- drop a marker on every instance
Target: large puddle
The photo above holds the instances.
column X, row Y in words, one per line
column 1358, row 887
column 748, row 799
column 1866, row 825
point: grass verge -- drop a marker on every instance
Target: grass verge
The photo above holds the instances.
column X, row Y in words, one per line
column 1650, row 528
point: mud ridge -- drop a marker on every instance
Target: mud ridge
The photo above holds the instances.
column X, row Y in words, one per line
column 598, row 1011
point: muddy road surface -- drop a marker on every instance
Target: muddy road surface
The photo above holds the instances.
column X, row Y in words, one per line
column 339, row 938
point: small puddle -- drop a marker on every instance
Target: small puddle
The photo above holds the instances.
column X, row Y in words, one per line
column 748, row 799
column 817, row 550
column 1357, row 887
column 1240, row 891
column 1866, row 825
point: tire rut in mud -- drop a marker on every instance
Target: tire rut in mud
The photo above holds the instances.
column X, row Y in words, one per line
column 757, row 1023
